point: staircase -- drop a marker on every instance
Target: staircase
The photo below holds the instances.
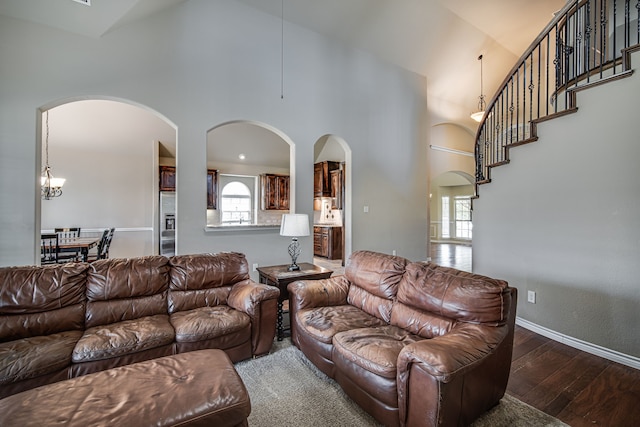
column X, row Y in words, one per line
column 587, row 43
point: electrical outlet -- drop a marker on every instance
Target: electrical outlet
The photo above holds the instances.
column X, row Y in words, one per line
column 366, row 209
column 531, row 297
column 255, row 266
column 393, row 252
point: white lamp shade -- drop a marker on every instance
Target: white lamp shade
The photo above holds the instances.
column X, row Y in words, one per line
column 294, row 225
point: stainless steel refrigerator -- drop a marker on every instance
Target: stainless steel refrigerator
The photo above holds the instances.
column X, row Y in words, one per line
column 167, row 223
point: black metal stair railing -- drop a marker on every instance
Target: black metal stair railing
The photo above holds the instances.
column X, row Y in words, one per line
column 582, row 45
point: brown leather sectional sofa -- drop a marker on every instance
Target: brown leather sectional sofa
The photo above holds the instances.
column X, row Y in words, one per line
column 64, row 321
column 413, row 343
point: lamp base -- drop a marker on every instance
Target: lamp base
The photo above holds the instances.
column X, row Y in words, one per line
column 293, row 267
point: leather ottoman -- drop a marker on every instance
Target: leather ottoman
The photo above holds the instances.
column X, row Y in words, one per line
column 197, row 388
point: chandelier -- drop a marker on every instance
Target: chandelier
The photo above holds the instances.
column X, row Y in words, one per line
column 49, row 186
column 478, row 115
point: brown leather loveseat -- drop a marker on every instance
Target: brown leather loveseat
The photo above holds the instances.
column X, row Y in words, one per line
column 63, row 321
column 413, row 343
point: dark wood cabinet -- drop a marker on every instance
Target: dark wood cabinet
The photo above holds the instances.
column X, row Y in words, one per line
column 275, row 191
column 337, row 189
column 167, row 178
column 322, row 178
column 327, row 242
column 212, row 189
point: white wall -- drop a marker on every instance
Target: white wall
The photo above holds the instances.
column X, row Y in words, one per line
column 208, row 62
column 562, row 220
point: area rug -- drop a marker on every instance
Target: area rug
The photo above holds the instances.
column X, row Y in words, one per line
column 287, row 390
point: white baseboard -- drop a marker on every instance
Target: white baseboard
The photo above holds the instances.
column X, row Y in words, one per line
column 615, row 356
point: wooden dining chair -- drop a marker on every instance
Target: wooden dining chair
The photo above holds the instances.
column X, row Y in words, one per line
column 48, row 248
column 103, row 246
column 105, row 250
column 65, row 234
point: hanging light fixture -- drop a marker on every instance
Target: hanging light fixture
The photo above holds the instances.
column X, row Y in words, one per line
column 478, row 115
column 49, row 186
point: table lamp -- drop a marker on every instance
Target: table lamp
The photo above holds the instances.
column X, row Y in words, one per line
column 294, row 226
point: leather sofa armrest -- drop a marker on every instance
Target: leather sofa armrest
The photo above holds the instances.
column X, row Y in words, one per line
column 260, row 302
column 246, row 296
column 318, row 293
column 439, row 368
column 451, row 354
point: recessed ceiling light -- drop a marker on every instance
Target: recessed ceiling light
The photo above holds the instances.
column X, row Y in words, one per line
column 242, row 156
column 85, row 2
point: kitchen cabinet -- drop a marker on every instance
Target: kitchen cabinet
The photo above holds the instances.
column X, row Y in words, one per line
column 167, row 178
column 337, row 189
column 212, row 189
column 327, row 242
column 322, row 178
column 275, row 191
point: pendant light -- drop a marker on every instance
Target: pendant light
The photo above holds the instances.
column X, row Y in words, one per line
column 478, row 115
column 49, row 186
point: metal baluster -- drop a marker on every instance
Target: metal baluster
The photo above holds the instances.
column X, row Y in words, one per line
column 638, row 20
column 615, row 32
column 546, row 96
column 587, row 39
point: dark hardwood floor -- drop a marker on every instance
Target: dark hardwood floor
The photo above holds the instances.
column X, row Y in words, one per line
column 576, row 387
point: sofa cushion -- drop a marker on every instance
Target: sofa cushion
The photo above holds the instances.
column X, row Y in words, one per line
column 202, row 271
column 32, row 357
column 374, row 279
column 207, row 323
column 322, row 323
column 121, row 338
column 41, row 300
column 126, row 289
column 374, row 349
column 454, row 294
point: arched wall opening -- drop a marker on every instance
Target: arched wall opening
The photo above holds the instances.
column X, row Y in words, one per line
column 335, row 149
column 252, row 150
column 109, row 151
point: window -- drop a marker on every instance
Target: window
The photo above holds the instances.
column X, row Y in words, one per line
column 462, row 214
column 236, row 203
column 445, row 217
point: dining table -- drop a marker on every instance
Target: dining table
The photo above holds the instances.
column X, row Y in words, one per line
column 78, row 244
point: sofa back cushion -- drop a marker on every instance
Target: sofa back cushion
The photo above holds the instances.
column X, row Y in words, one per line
column 204, row 280
column 374, row 279
column 431, row 299
column 126, row 289
column 41, row 300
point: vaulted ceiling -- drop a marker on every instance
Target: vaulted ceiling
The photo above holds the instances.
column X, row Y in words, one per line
column 438, row 39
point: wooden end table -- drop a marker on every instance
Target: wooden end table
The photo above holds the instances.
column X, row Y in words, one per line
column 280, row 277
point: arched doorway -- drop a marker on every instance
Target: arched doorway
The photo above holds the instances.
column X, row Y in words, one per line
column 333, row 206
column 451, row 227
column 109, row 151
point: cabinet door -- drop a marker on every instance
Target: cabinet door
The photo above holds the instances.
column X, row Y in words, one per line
column 212, row 189
column 275, row 192
column 317, row 180
column 167, row 178
column 336, row 189
column 283, row 192
column 324, row 251
column 268, row 185
column 317, row 241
